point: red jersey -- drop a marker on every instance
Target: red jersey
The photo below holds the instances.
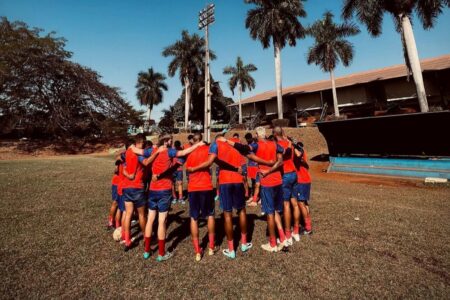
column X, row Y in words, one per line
column 115, row 179
column 268, row 150
column 303, row 175
column 161, row 163
column 288, row 162
column 120, row 181
column 201, row 179
column 133, row 167
column 228, row 154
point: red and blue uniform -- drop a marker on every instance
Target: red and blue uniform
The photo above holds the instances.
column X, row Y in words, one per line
column 160, row 194
column 303, row 189
column 133, row 189
column 289, row 171
column 201, row 200
column 231, row 186
column 271, row 185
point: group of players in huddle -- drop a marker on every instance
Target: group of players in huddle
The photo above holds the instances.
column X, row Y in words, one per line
column 143, row 184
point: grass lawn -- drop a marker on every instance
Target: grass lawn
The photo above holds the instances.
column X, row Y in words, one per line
column 53, row 242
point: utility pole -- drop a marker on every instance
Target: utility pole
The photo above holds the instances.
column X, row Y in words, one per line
column 206, row 18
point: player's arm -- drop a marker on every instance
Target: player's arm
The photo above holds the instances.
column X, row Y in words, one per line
column 299, row 154
column 131, row 175
column 259, row 160
column 275, row 166
column 189, row 150
column 223, row 165
column 136, row 150
column 204, row 165
column 152, row 157
column 243, row 149
column 168, row 172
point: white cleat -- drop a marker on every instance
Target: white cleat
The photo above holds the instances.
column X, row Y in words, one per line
column 296, row 237
column 269, row 248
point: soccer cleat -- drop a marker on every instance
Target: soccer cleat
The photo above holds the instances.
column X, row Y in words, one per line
column 198, row 257
column 252, row 204
column 269, row 248
column 296, row 237
column 216, row 198
column 229, row 254
column 182, row 202
column 282, row 245
column 174, row 201
column 212, row 251
column 110, row 227
column 165, row 257
column 263, row 213
column 306, row 232
column 246, row 247
column 146, row 255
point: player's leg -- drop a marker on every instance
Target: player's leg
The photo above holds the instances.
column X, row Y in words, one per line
column 296, row 214
column 304, row 191
column 208, row 209
column 194, row 212
column 268, row 208
column 163, row 208
column 148, row 232
column 238, row 195
column 226, row 203
column 112, row 214
column 129, row 208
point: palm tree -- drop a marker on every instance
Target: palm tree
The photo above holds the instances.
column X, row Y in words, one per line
column 330, row 47
column 240, row 77
column 150, row 88
column 276, row 21
column 370, row 13
column 188, row 59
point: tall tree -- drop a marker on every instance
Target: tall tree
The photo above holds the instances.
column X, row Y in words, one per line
column 371, row 13
column 276, row 21
column 187, row 59
column 240, row 77
column 330, row 47
column 150, row 89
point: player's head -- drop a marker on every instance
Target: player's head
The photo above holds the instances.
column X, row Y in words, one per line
column 218, row 136
column 272, row 138
column 177, row 145
column 261, row 132
column 198, row 137
column 190, row 139
column 165, row 140
column 249, row 138
column 128, row 143
column 236, row 135
column 139, row 140
column 277, row 131
column 148, row 144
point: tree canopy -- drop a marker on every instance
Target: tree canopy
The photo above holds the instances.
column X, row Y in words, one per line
column 46, row 95
column 240, row 74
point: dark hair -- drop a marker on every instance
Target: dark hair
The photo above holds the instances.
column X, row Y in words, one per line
column 177, row 145
column 236, row 135
column 272, row 138
column 148, row 144
column 139, row 138
column 198, row 137
column 190, row 137
column 163, row 138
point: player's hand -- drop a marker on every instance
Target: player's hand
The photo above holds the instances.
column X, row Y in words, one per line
column 190, row 170
column 240, row 170
column 154, row 178
column 264, row 173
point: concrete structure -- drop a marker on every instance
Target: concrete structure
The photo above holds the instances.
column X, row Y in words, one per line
column 359, row 94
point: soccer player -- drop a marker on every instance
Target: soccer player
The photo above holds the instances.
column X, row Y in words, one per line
column 160, row 194
column 200, row 193
column 178, row 177
column 231, row 191
column 115, row 197
column 289, row 180
column 303, row 191
column 133, row 190
column 271, row 184
column 244, row 166
column 252, row 173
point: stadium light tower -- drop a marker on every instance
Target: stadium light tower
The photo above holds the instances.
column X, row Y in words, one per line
column 206, row 18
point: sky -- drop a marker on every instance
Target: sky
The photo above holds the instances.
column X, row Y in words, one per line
column 120, row 38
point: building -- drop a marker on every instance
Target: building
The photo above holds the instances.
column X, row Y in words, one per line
column 379, row 91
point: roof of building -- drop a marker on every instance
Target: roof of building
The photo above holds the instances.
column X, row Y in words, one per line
column 396, row 71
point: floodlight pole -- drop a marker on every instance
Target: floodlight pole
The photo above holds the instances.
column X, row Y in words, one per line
column 206, row 18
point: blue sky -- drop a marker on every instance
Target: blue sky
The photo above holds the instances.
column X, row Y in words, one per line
column 119, row 38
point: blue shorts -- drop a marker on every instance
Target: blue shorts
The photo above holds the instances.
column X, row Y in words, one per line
column 159, row 200
column 272, row 199
column 201, row 204
column 120, row 203
column 303, row 191
column 134, row 195
column 232, row 195
column 289, row 184
column 114, row 193
column 178, row 175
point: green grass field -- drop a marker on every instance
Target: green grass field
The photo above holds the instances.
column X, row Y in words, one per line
column 54, row 243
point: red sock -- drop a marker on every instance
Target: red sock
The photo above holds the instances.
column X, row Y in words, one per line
column 162, row 247
column 288, row 234
column 117, row 223
column 230, row 246
column 147, row 244
column 246, row 194
column 273, row 241
column 196, row 246
column 212, row 238
column 123, row 234
column 282, row 236
column 110, row 221
column 127, row 238
column 255, row 198
column 308, row 224
column 296, row 229
column 243, row 238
